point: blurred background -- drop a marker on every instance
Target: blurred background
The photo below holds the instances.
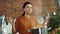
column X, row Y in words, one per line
column 43, row 10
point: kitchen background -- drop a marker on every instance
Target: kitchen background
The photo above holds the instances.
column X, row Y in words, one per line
column 13, row 8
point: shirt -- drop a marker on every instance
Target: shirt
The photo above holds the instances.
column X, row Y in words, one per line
column 23, row 24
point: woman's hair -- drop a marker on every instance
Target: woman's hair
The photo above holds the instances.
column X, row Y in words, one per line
column 24, row 5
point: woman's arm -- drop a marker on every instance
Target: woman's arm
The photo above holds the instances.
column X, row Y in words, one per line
column 13, row 28
column 11, row 21
column 38, row 24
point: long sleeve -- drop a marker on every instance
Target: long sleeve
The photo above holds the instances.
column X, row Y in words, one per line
column 15, row 27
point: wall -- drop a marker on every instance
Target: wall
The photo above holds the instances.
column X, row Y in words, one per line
column 13, row 8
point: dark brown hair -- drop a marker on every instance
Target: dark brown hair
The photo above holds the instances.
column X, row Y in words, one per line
column 24, row 5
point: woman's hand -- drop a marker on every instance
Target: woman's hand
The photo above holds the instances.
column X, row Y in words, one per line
column 10, row 20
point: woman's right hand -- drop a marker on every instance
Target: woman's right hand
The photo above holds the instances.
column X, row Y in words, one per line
column 10, row 20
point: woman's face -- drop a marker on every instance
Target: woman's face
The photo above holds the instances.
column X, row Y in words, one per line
column 28, row 9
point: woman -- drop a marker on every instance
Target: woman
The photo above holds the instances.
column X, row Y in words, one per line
column 26, row 22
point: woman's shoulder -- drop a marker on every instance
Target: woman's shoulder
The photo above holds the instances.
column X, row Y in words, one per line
column 20, row 17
